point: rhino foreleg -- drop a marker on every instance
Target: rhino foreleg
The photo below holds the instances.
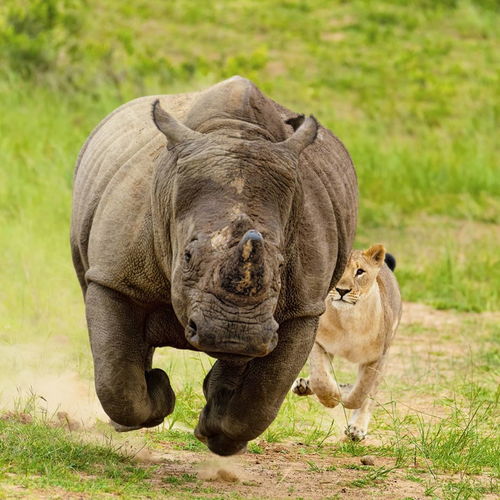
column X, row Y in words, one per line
column 131, row 393
column 244, row 399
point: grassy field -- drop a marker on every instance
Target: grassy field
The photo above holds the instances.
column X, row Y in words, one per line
column 412, row 90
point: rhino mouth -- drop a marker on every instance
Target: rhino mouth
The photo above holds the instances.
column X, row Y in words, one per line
column 232, row 340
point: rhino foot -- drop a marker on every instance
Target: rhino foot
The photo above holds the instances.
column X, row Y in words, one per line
column 161, row 394
column 220, row 444
column 124, row 428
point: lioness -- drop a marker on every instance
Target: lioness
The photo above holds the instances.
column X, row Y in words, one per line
column 361, row 318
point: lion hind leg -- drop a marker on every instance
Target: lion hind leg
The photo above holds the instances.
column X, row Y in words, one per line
column 369, row 376
column 357, row 429
column 361, row 397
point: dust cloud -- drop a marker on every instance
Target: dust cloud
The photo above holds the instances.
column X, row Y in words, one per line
column 42, row 379
column 227, row 469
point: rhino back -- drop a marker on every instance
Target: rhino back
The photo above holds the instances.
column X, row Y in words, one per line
column 330, row 208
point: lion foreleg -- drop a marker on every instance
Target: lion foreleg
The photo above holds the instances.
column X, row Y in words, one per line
column 357, row 429
column 320, row 381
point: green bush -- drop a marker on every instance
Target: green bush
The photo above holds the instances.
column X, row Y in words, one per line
column 40, row 35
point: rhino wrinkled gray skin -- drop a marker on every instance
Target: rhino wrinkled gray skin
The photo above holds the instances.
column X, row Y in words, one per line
column 214, row 221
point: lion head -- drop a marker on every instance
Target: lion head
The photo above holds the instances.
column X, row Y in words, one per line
column 359, row 276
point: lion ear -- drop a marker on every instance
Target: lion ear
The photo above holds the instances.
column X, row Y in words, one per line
column 375, row 253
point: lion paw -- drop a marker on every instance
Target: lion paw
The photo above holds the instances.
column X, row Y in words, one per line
column 355, row 433
column 345, row 389
column 301, row 387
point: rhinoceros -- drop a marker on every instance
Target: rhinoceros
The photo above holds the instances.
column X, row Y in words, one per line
column 215, row 221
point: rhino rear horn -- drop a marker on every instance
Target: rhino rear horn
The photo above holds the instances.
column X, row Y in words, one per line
column 174, row 130
column 303, row 136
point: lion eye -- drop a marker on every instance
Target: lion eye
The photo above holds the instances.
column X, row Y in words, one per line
column 359, row 272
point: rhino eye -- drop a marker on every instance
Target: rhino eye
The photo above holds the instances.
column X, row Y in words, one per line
column 359, row 272
column 187, row 256
column 281, row 262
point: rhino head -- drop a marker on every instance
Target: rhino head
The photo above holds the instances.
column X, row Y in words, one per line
column 222, row 205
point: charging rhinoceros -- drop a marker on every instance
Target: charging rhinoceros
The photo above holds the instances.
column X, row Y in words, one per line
column 215, row 221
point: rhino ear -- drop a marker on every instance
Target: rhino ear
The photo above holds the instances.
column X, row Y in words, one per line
column 174, row 130
column 296, row 121
column 303, row 136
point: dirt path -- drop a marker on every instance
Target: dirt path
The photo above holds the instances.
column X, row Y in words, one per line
column 287, row 471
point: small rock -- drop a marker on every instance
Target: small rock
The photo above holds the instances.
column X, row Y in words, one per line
column 367, row 460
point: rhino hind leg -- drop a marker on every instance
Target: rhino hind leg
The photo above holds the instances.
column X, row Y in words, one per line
column 131, row 393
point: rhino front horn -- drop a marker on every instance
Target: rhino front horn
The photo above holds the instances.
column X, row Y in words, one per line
column 251, row 246
column 174, row 130
column 243, row 273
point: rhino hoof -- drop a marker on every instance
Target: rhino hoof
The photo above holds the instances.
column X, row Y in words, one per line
column 124, row 428
column 224, row 446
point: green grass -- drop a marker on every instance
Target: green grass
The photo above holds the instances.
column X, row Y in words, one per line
column 373, row 477
column 43, row 457
column 184, row 440
column 411, row 91
column 445, row 262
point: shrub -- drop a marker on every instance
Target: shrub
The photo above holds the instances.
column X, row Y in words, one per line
column 37, row 36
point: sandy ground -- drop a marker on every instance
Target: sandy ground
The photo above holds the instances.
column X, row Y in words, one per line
column 284, row 471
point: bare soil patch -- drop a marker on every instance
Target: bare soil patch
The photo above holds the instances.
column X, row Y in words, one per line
column 291, row 471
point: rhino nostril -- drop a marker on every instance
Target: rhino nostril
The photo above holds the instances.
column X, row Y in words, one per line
column 192, row 326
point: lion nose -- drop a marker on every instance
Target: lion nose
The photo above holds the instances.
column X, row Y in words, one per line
column 342, row 291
